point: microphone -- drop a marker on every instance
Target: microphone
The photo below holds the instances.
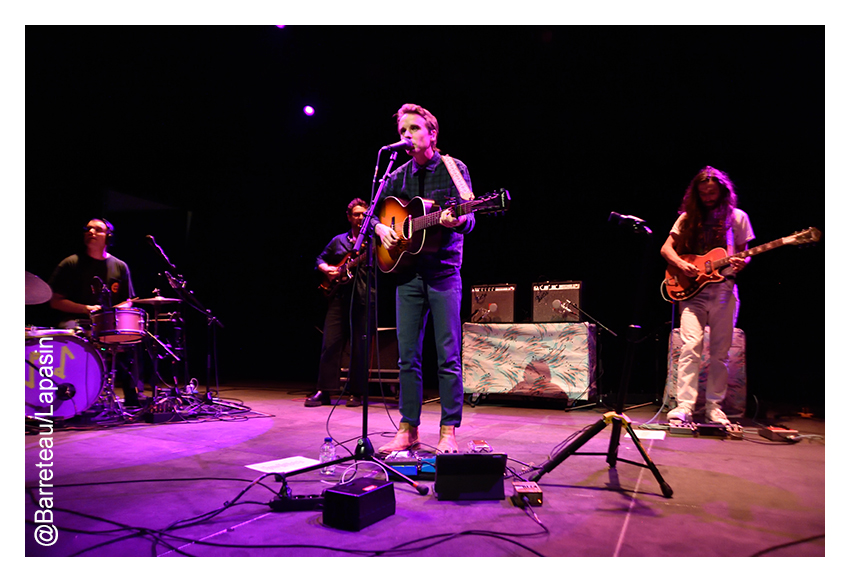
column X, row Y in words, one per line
column 103, row 294
column 152, row 242
column 623, row 217
column 629, row 219
column 560, row 308
column 403, row 144
column 482, row 313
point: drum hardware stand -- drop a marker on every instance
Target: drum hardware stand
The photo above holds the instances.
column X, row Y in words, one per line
column 364, row 450
column 156, row 388
column 178, row 283
column 616, row 418
column 177, row 338
column 112, row 407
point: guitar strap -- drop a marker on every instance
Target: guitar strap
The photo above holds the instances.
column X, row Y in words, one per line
column 457, row 178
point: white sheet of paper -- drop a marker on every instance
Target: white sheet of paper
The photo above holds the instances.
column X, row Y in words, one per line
column 283, row 465
column 650, row 435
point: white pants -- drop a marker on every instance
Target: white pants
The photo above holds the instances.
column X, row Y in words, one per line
column 716, row 306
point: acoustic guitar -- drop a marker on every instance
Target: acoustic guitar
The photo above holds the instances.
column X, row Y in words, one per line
column 412, row 220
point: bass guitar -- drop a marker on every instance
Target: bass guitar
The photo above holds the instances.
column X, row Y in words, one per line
column 678, row 287
column 348, row 263
column 412, row 219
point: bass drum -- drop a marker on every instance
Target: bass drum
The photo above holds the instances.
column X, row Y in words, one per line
column 63, row 372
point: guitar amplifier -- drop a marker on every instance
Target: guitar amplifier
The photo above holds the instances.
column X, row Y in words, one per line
column 493, row 304
column 556, row 301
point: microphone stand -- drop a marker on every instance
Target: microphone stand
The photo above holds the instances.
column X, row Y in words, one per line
column 364, row 450
column 616, row 417
column 178, row 283
column 590, row 317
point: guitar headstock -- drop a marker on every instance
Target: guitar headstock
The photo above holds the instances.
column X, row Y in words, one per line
column 804, row 237
column 493, row 202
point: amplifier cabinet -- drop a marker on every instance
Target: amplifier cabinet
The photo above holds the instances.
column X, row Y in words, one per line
column 735, row 402
column 556, row 301
column 493, row 303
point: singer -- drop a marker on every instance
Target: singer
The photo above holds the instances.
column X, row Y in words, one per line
column 432, row 284
column 89, row 280
column 708, row 218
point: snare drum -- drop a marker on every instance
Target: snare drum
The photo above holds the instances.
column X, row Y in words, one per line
column 119, row 325
column 63, row 372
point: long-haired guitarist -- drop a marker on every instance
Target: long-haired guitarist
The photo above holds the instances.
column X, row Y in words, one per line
column 345, row 286
column 708, row 219
column 432, row 283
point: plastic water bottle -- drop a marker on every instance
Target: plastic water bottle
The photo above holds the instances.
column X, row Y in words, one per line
column 327, row 454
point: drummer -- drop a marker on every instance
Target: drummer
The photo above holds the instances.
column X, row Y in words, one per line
column 93, row 279
column 87, row 281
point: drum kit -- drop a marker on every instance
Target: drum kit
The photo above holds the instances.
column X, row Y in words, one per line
column 78, row 375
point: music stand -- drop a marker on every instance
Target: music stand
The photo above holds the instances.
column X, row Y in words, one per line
column 616, row 418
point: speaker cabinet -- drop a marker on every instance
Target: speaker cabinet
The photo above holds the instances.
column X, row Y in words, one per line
column 493, row 304
column 556, row 301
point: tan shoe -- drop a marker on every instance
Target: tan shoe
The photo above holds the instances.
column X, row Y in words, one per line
column 447, row 443
column 406, row 438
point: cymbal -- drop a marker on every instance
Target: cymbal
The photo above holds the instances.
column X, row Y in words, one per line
column 158, row 300
column 37, row 291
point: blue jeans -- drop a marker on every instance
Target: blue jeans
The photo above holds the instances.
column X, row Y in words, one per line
column 415, row 299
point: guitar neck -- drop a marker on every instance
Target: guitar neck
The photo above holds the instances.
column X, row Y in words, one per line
column 433, row 218
column 720, row 263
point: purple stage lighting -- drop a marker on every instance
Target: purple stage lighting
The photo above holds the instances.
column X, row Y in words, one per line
column 309, row 110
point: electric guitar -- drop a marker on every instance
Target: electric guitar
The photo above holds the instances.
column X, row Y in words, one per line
column 678, row 287
column 412, row 219
column 348, row 263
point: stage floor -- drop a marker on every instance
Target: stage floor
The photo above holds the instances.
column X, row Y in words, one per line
column 115, row 490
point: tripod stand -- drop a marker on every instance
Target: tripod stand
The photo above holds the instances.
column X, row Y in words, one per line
column 364, row 451
column 616, row 418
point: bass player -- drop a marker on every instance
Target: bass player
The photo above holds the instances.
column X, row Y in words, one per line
column 346, row 287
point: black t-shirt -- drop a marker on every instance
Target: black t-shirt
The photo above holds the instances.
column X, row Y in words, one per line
column 74, row 278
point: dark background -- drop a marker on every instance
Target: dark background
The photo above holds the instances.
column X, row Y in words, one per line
column 196, row 135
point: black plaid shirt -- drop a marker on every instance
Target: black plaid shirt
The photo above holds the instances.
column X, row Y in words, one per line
column 404, row 184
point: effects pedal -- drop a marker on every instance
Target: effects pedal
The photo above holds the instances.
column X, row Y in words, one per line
column 479, row 446
column 735, row 432
column 527, row 490
column 415, row 464
column 707, row 429
column 682, row 429
column 779, row 434
column 712, row 429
